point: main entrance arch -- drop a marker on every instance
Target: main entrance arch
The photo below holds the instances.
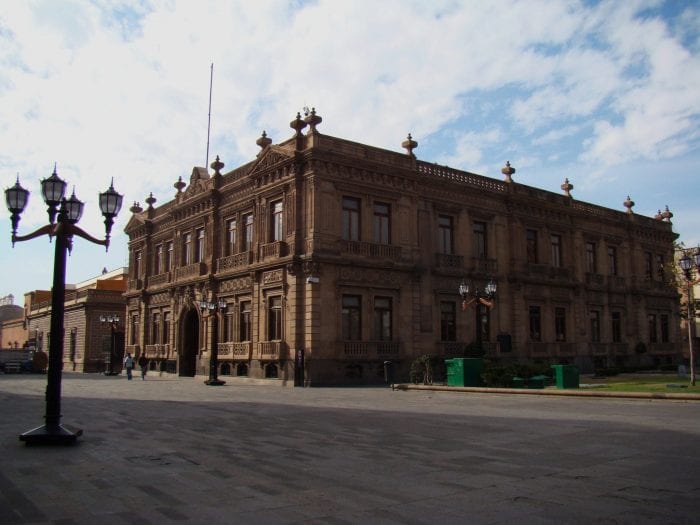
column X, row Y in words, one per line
column 189, row 343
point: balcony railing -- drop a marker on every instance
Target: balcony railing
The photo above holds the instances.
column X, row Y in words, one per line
column 483, row 265
column 271, row 351
column 235, row 351
column 370, row 349
column 231, row 262
column 448, row 260
column 369, row 249
column 157, row 280
column 159, row 351
column 135, row 284
column 191, row 270
column 273, row 249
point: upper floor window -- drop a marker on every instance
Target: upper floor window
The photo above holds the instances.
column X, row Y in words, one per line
column 166, row 328
column 445, row 234
column 382, row 319
column 660, row 266
column 616, row 325
column 351, row 318
column 137, row 264
column 245, row 321
column 531, row 247
column 158, row 263
column 591, row 266
column 663, row 318
column 594, row 319
column 199, row 245
column 653, row 335
column 187, row 249
column 535, row 323
column 168, row 256
column 479, row 230
column 351, row 219
column 560, row 323
column 277, row 222
column 382, row 223
column 274, row 318
column 231, row 234
column 155, row 329
column 648, row 265
column 556, row 250
column 248, row 232
column 448, row 325
column 134, row 332
column 612, row 260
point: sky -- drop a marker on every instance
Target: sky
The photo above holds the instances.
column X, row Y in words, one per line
column 606, row 94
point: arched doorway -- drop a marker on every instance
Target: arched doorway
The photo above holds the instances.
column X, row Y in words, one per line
column 189, row 343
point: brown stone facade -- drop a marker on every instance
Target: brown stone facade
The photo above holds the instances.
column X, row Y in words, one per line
column 330, row 257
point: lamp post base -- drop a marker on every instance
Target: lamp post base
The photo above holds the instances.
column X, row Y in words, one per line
column 51, row 435
column 214, row 382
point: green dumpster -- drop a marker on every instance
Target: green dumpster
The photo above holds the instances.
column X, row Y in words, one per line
column 566, row 376
column 537, row 382
column 518, row 382
column 463, row 371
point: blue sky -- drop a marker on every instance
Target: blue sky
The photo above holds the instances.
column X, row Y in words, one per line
column 606, row 94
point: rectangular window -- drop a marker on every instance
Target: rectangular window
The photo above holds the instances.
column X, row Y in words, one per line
column 155, row 329
column 448, row 325
column 166, row 328
column 653, row 335
column 616, row 321
column 594, row 317
column 648, row 265
column 535, row 323
column 245, row 321
column 382, row 319
column 591, row 266
column 531, row 246
column 351, row 219
column 663, row 318
column 274, row 318
column 134, row 335
column 556, row 250
column 660, row 267
column 382, row 223
column 137, row 264
column 186, row 249
column 199, row 245
column 480, row 248
column 277, row 221
column 168, row 256
column 158, row 263
column 350, row 318
column 560, row 323
column 445, row 234
column 248, row 233
column 612, row 260
column 231, row 234
column 228, row 326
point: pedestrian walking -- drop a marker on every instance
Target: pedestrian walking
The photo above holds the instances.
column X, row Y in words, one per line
column 129, row 365
column 143, row 362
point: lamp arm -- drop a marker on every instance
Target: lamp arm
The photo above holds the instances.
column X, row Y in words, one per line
column 77, row 230
column 49, row 229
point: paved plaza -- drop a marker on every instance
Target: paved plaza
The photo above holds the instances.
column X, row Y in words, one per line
column 173, row 450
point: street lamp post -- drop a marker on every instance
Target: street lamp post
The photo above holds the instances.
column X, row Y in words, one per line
column 480, row 300
column 686, row 265
column 63, row 216
column 213, row 307
column 113, row 320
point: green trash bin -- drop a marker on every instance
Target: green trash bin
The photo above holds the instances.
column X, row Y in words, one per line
column 518, row 382
column 537, row 382
column 463, row 371
column 566, row 376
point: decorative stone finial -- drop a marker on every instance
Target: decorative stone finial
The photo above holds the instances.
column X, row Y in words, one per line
column 217, row 165
column 313, row 120
column 263, row 141
column 629, row 204
column 136, row 208
column 297, row 124
column 659, row 216
column 567, row 187
column 666, row 214
column 508, row 170
column 150, row 200
column 409, row 145
column 179, row 185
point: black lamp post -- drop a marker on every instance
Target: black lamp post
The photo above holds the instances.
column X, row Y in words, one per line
column 686, row 265
column 480, row 300
column 213, row 307
column 113, row 320
column 63, row 216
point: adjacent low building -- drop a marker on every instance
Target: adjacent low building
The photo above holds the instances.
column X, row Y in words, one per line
column 322, row 259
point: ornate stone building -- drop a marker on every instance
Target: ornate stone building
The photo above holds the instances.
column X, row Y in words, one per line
column 323, row 258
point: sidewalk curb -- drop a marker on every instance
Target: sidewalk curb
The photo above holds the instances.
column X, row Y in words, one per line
column 549, row 392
